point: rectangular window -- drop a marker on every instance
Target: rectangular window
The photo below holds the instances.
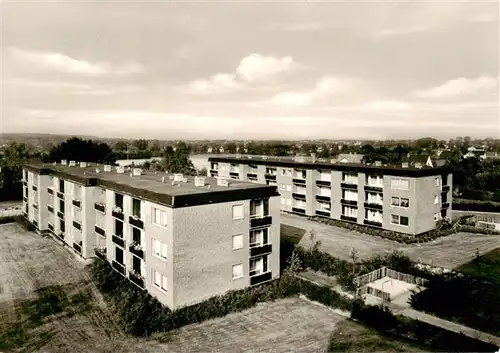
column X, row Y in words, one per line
column 400, row 202
column 350, row 195
column 283, row 201
column 62, row 225
column 119, row 255
column 258, row 265
column 237, row 241
column 400, row 184
column 349, row 211
column 259, row 237
column 283, row 172
column 61, row 185
column 159, row 280
column 61, row 206
column 119, row 228
column 289, row 202
column 159, row 249
column 374, row 198
column 238, row 212
column 289, row 188
column 350, row 178
column 237, row 271
column 119, row 201
column 159, row 217
column 136, row 235
column 399, row 220
column 136, row 208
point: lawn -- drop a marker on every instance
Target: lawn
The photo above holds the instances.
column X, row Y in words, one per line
column 350, row 336
column 487, row 265
column 291, row 233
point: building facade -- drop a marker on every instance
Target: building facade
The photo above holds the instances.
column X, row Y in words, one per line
column 407, row 200
column 182, row 239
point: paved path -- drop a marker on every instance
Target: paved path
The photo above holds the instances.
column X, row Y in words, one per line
column 448, row 252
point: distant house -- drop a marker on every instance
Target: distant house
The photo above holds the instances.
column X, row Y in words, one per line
column 209, row 150
column 417, row 161
column 443, row 156
column 475, row 152
column 221, row 149
column 350, row 158
column 492, row 155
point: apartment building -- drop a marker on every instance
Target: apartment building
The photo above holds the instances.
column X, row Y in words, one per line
column 182, row 239
column 404, row 199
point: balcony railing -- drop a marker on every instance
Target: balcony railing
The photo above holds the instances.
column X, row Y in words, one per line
column 349, row 186
column 100, row 231
column 260, row 221
column 299, row 181
column 120, row 268
column 77, row 203
column 298, row 210
column 445, row 205
column 298, row 196
column 374, row 187
column 251, row 175
column 323, row 213
column 261, row 250
column 234, row 174
column 118, row 241
column 100, row 207
column 51, row 227
column 445, row 188
column 117, row 214
column 136, row 222
column 25, row 199
column 136, row 279
column 270, row 176
column 373, row 205
column 60, row 195
column 35, row 206
column 25, row 182
column 78, row 247
column 60, row 235
column 77, row 225
column 214, row 173
column 50, row 191
column 35, row 223
column 60, row 214
column 323, row 183
column 136, row 250
column 35, row 188
column 101, row 253
column 349, row 218
column 257, row 279
column 372, row 223
column 323, row 198
column 349, row 202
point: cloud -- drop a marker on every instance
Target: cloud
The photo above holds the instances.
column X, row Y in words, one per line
column 483, row 18
column 326, row 87
column 69, row 88
column 64, row 63
column 459, row 87
column 398, row 32
column 253, row 68
column 304, row 27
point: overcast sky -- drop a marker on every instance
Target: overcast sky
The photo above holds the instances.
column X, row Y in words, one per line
column 196, row 70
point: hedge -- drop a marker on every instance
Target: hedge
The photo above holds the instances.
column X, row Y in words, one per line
column 475, row 205
column 20, row 220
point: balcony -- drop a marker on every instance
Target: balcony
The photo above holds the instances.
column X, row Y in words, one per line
column 349, row 186
column 298, row 210
column 118, row 241
column 270, row 176
column 117, row 214
column 35, row 206
column 264, row 277
column 77, row 203
column 60, row 215
column 100, row 231
column 25, row 182
column 35, row 223
column 234, row 174
column 51, row 227
column 261, row 250
column 445, row 205
column 77, row 225
column 118, row 267
column 136, row 222
column 78, row 247
column 299, row 181
column 348, row 218
column 60, row 195
column 101, row 253
column 25, row 199
column 137, row 250
column 50, row 191
column 257, row 221
column 252, row 175
column 298, row 196
column 323, row 213
column 376, row 188
column 323, row 198
column 373, row 206
column 100, row 207
column 214, row 173
column 372, row 223
column 35, row 188
column 136, row 279
column 323, row 183
column 349, row 202
column 445, row 188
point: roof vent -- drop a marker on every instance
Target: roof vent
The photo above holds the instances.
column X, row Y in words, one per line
column 64, row 162
column 137, row 171
column 120, row 170
column 83, row 164
column 222, row 181
column 178, row 177
column 107, row 168
column 97, row 170
column 199, row 181
column 184, row 180
column 72, row 163
column 173, row 183
column 162, row 179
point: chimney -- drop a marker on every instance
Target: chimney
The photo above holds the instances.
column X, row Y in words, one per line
column 97, row 170
column 107, row 168
column 137, row 171
column 178, row 177
column 83, row 164
column 120, row 170
column 199, row 181
column 64, row 162
column 72, row 163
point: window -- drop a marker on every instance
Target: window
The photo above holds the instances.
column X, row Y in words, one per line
column 327, row 192
column 237, row 271
column 289, row 202
column 159, row 280
column 399, row 220
column 159, row 217
column 259, row 237
column 300, row 190
column 323, row 206
column 61, row 186
column 119, row 201
column 350, row 178
column 61, row 206
column 350, row 195
column 283, row 172
column 258, row 265
column 374, row 198
column 119, row 228
column 271, row 182
column 283, row 201
column 288, row 172
column 237, row 241
column 62, row 225
column 325, row 175
column 400, row 184
column 119, row 255
column 282, row 186
column 136, row 208
column 136, row 235
column 289, row 188
column 300, row 203
column 77, row 191
column 349, row 211
column 238, row 212
column 400, row 202
column 300, row 174
column 436, row 199
column 437, row 181
column 159, row 249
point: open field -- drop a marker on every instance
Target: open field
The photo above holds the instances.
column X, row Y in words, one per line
column 489, row 266
column 350, row 336
column 49, row 304
column 448, row 252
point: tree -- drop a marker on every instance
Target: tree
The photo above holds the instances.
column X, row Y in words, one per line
column 141, row 144
column 178, row 161
column 11, row 171
column 121, row 146
column 76, row 149
column 231, row 147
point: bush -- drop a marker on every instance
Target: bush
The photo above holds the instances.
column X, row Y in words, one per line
column 20, row 220
column 7, row 219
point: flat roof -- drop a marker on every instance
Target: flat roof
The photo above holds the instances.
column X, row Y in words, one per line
column 290, row 162
column 149, row 185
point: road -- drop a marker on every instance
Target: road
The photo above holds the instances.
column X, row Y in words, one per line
column 448, row 252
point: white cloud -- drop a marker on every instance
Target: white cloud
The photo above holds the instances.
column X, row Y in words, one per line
column 326, row 87
column 69, row 88
column 459, row 87
column 303, row 27
column 216, row 84
column 63, row 63
column 397, row 32
column 485, row 17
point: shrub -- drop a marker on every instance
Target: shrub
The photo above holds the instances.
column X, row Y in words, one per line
column 20, row 220
column 7, row 219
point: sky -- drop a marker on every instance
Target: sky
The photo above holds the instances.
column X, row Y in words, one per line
column 251, row 69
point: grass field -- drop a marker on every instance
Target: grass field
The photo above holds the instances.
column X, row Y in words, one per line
column 350, row 336
column 291, row 233
column 488, row 266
